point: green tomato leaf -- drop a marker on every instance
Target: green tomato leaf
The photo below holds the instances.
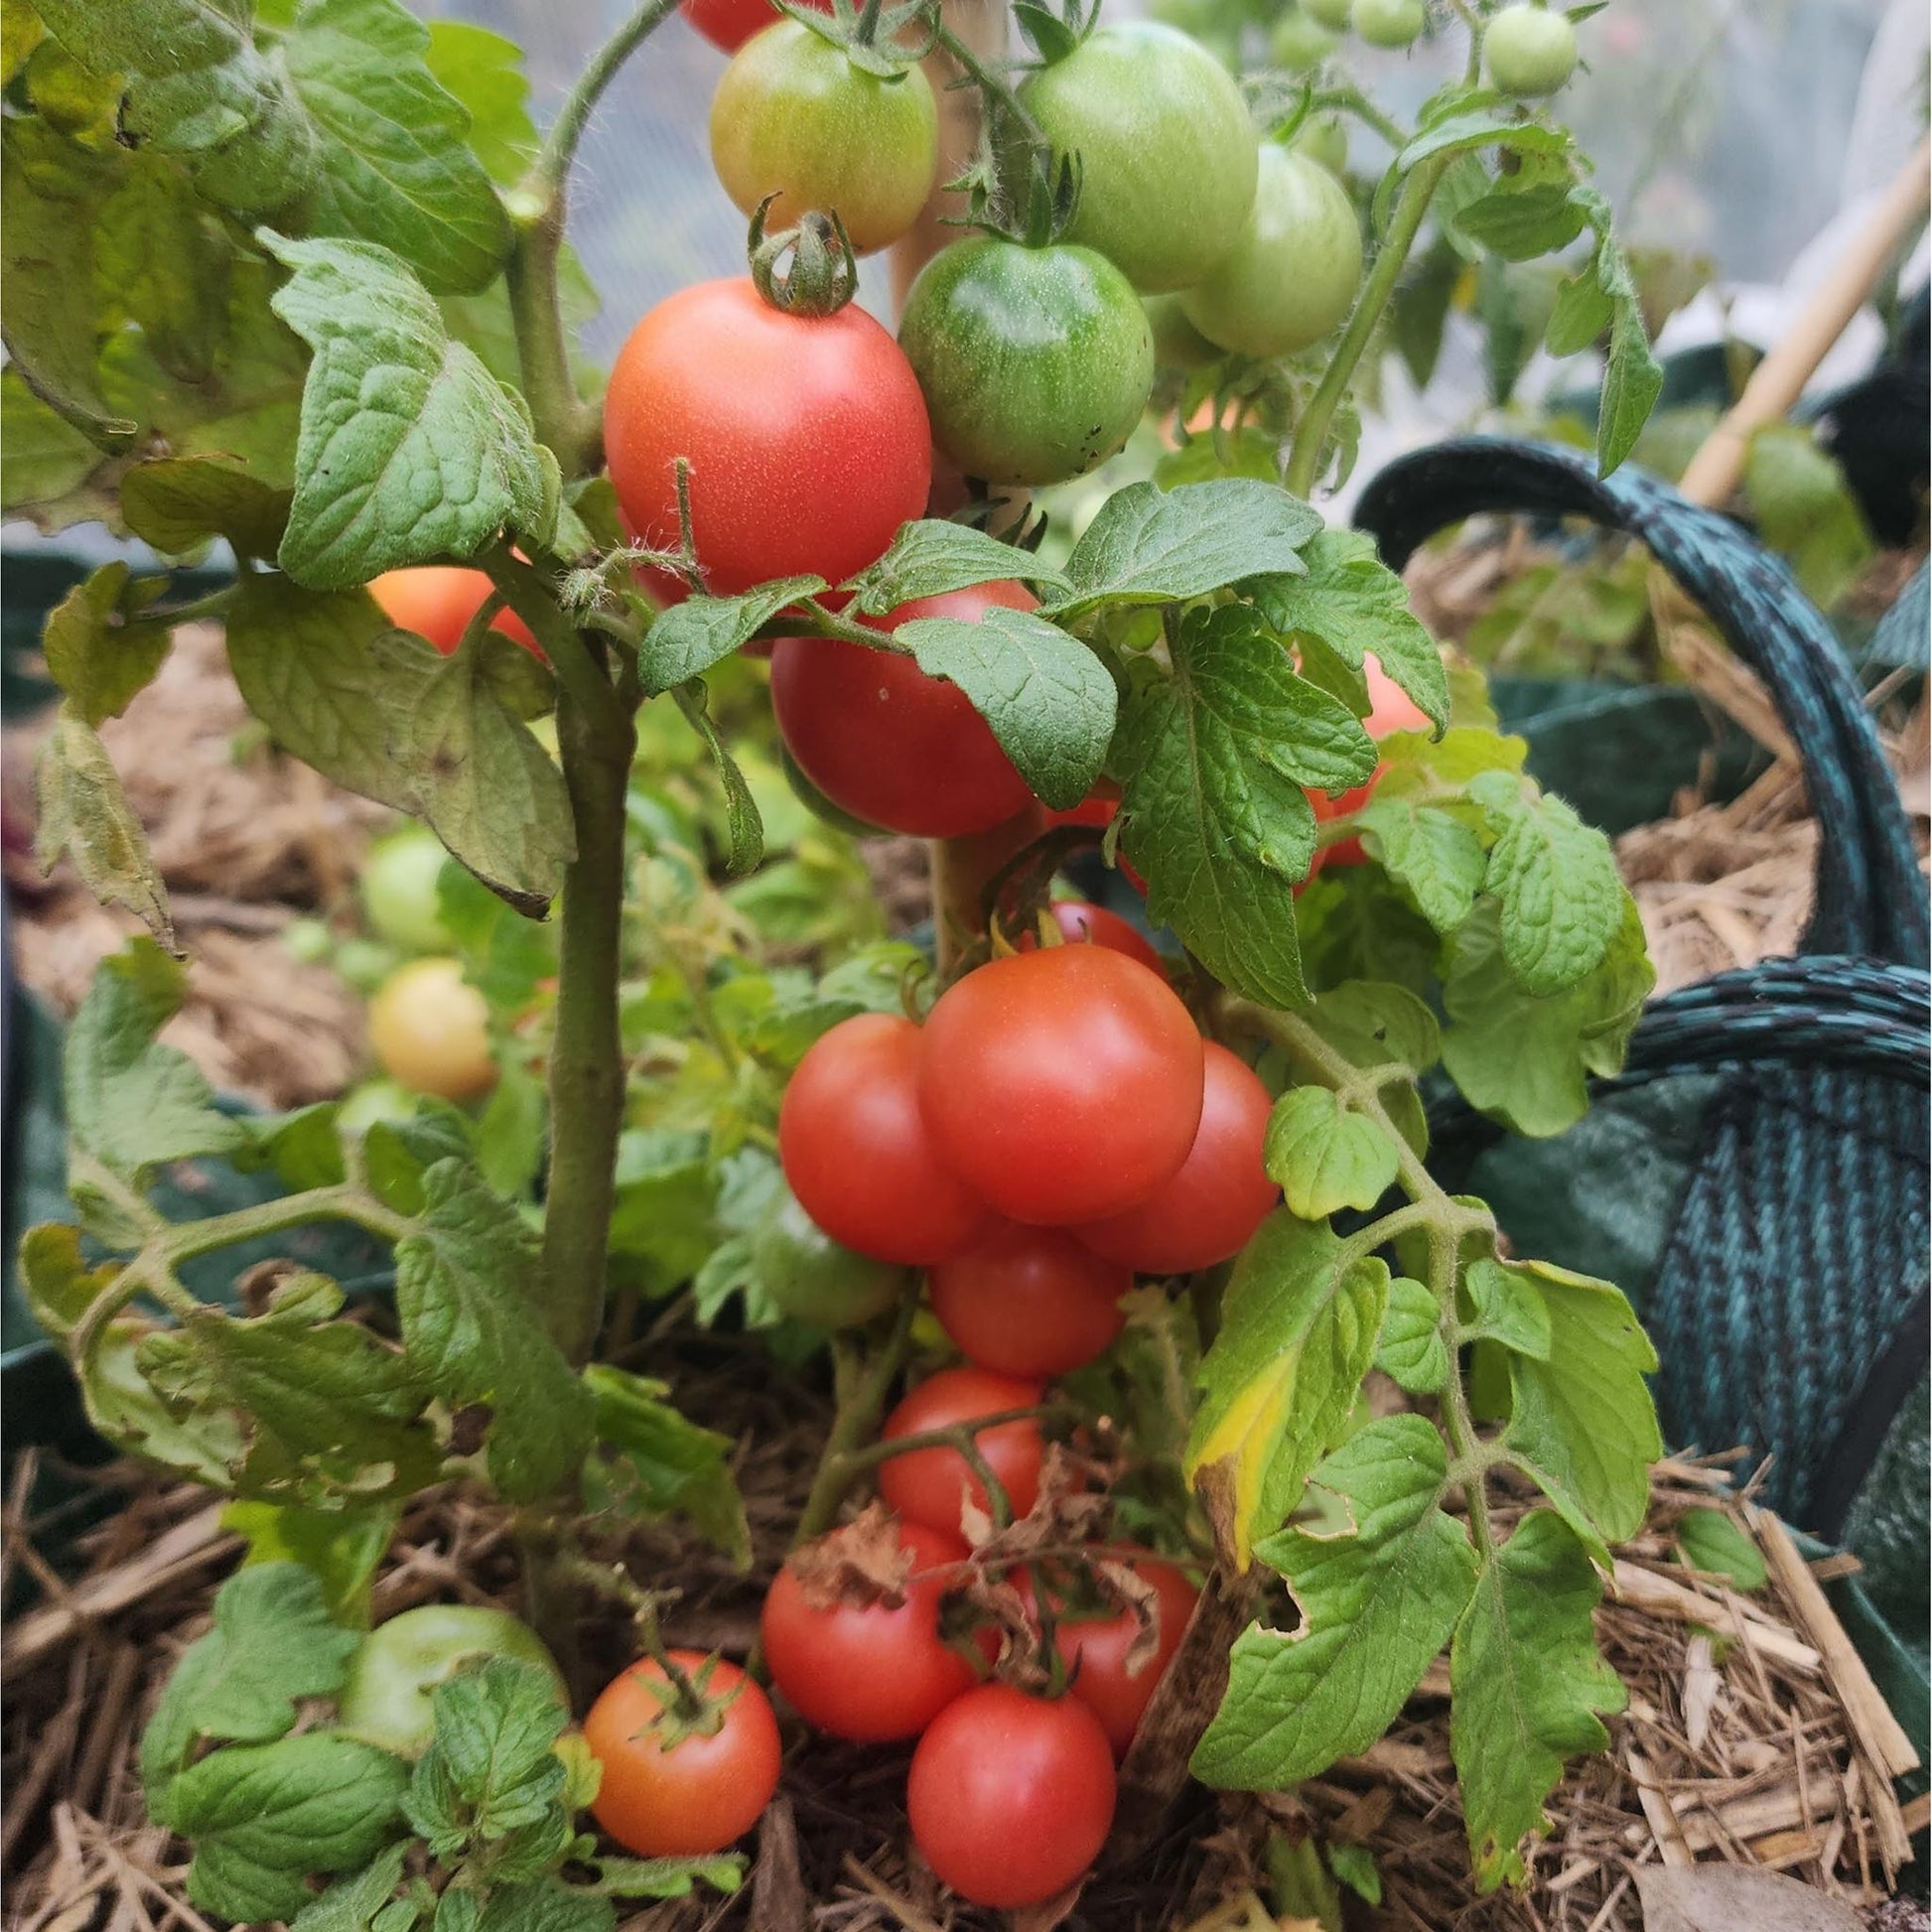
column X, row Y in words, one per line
column 132, row 1103
column 1603, row 295
column 467, row 1294
column 1377, row 1605
column 1509, row 1306
column 264, row 1817
column 745, row 829
column 163, row 264
column 1298, row 1334
column 99, row 650
column 1710, row 1540
column 351, row 1905
column 1554, row 880
column 666, row 1877
column 482, row 782
column 485, row 71
column 1524, row 1059
column 84, row 814
column 1805, row 508
column 546, row 1906
column 273, row 1643
column 180, row 502
column 1413, row 761
column 1326, row 1159
column 1411, row 1347
column 688, row 638
column 1581, row 1421
column 409, row 448
column 1431, row 853
column 393, row 162
column 1047, row 698
column 44, row 461
column 309, row 667
column 340, row 1549
column 1149, row 546
column 1373, row 1023
column 1217, row 761
column 1354, row 1865
column 1523, row 215
column 930, row 557
column 1467, row 132
column 1526, row 1685
column 1357, row 605
column 676, row 1466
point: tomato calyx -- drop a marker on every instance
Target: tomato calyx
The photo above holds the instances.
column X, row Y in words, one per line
column 868, row 35
column 1053, row 36
column 823, row 275
column 686, row 1704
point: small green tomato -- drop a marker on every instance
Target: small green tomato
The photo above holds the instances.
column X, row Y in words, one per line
column 1300, row 42
column 1530, row 50
column 1388, row 23
column 1333, row 14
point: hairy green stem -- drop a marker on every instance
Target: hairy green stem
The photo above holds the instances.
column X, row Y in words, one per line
column 1431, row 1206
column 1411, row 209
column 552, row 170
column 991, row 85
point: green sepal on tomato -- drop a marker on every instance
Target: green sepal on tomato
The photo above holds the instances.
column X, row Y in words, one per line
column 795, row 117
column 1036, row 362
column 1167, row 150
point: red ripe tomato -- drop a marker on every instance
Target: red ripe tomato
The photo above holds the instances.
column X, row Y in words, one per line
column 436, row 600
column 1062, row 1085
column 1100, row 1646
column 1010, row 1797
column 888, row 744
column 869, row 1672
column 1030, row 1301
column 729, row 24
column 1390, row 709
column 857, row 1151
column 1208, row 1211
column 672, row 1791
column 928, row 1486
column 1094, row 925
column 806, row 435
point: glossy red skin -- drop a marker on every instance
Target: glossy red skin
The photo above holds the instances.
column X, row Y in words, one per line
column 1082, row 924
column 1391, row 709
column 1101, row 1645
column 869, row 1672
column 807, row 434
column 704, row 1792
column 928, row 1486
column 888, row 744
column 729, row 24
column 437, row 601
column 858, row 1153
column 1029, row 1302
column 1221, row 1194
column 1010, row 1796
column 1062, row 1085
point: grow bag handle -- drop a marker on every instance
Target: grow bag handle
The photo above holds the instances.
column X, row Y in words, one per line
column 1870, row 895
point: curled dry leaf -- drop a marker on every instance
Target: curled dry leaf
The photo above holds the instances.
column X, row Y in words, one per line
column 1128, row 1589
column 1066, row 1510
column 863, row 1562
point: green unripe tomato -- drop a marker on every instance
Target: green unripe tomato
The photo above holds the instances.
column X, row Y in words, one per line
column 1333, row 14
column 399, row 889
column 1324, row 139
column 386, row 1700
column 1388, row 23
column 1300, row 42
column 1167, row 152
column 374, row 1100
column 365, row 963
column 816, row 1281
column 1530, row 50
column 1036, row 362
column 793, row 117
column 1295, row 275
column 1177, row 343
column 308, row 942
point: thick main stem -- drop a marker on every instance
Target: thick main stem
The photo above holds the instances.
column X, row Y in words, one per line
column 1409, row 212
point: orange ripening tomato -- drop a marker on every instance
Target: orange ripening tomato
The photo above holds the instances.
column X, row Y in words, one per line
column 436, row 600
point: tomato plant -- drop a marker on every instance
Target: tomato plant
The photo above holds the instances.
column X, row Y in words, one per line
column 1167, row 153
column 677, row 1782
column 795, row 118
column 871, row 1670
column 1036, row 362
column 1063, row 1084
column 928, row 1486
column 1029, row 1302
column 887, row 743
column 860, row 1154
column 717, row 1096
column 1011, row 1796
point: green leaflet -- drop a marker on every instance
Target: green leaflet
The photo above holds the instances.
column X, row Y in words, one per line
column 1377, row 1605
column 1526, row 1685
column 1711, row 1541
column 1326, row 1159
column 1411, row 1347
column 1430, row 851
column 930, row 557
column 688, row 638
column 1509, row 1306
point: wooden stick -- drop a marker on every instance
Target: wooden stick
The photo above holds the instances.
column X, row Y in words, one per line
column 1778, row 382
column 1647, row 1591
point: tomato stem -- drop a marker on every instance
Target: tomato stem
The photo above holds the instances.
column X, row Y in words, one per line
column 991, row 84
column 1312, row 432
